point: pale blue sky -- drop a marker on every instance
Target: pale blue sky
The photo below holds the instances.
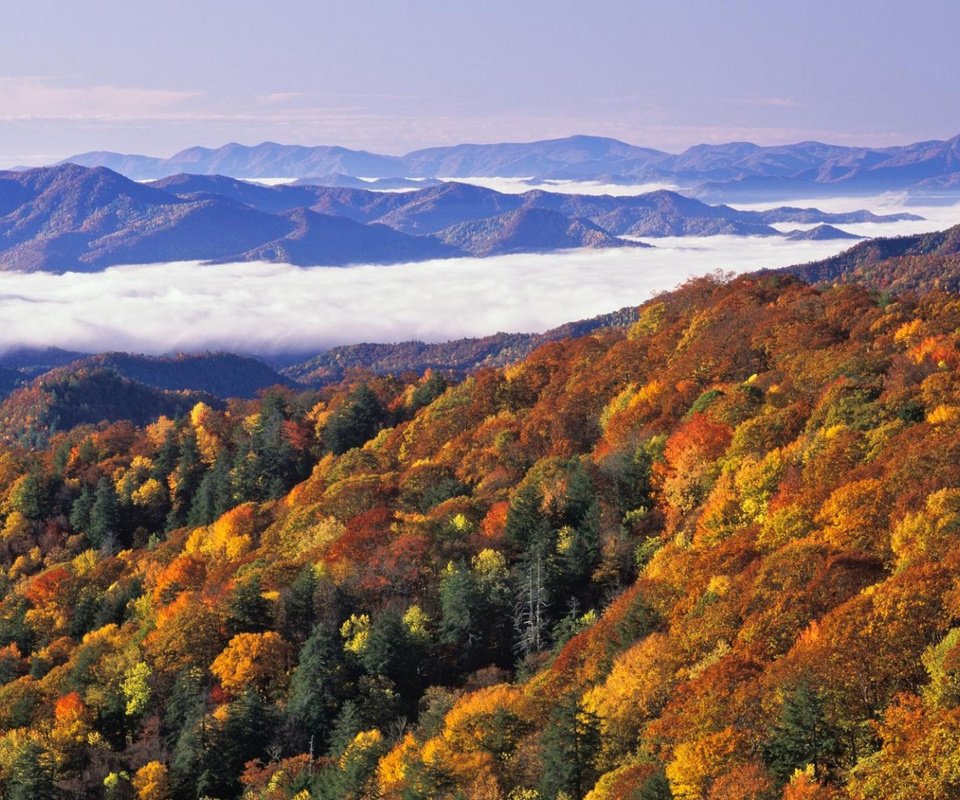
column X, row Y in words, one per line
column 153, row 77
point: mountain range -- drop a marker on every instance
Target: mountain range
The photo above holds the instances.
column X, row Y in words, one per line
column 733, row 170
column 75, row 218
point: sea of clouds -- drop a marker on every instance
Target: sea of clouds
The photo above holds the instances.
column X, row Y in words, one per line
column 269, row 308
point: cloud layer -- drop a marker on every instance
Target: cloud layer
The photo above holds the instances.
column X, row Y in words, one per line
column 271, row 308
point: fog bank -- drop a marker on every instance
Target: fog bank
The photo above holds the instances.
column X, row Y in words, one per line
column 271, row 308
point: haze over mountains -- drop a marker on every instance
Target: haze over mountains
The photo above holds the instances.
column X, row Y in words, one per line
column 733, row 170
column 75, row 218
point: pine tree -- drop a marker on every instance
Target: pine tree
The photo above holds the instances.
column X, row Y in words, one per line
column 297, row 606
column 801, row 736
column 570, row 742
column 354, row 422
column 526, row 523
column 186, row 480
column 249, row 611
column 213, row 497
column 656, row 787
column 80, row 511
column 31, row 776
column 316, row 682
column 104, row 515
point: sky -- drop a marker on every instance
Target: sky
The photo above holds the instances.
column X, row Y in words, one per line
column 395, row 75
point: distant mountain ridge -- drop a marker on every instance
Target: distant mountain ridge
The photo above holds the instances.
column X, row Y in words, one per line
column 74, row 218
column 222, row 375
column 820, row 233
column 735, row 169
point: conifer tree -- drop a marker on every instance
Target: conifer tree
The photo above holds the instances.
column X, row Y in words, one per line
column 104, row 515
column 31, row 776
column 801, row 736
column 570, row 742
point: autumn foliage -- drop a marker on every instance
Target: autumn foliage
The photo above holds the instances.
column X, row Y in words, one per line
column 710, row 557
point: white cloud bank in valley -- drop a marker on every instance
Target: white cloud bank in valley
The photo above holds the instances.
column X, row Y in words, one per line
column 269, row 308
column 273, row 308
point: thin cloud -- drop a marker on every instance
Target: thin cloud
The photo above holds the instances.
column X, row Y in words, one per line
column 41, row 98
column 772, row 102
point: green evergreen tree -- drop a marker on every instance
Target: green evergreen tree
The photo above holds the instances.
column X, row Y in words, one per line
column 391, row 652
column 246, row 733
column 165, row 460
column 30, row 497
column 526, row 523
column 187, row 759
column 347, row 725
column 80, row 511
column 31, row 775
column 570, row 742
column 185, row 704
column 656, row 787
column 803, row 735
column 315, row 688
column 249, row 611
column 213, row 497
column 187, row 476
column 104, row 516
column 356, row 421
column 297, row 606
column 428, row 391
column 460, row 611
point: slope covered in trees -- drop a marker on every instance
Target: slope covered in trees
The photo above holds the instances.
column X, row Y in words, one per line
column 454, row 358
column 710, row 556
column 903, row 263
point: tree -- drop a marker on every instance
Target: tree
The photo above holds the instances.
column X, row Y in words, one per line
column 104, row 516
column 80, row 511
column 152, row 781
column 213, row 497
column 354, row 422
column 315, row 688
column 184, row 480
column 531, row 612
column 249, row 611
column 243, row 737
column 31, row 775
column 251, row 661
column 801, row 736
column 526, row 522
column 571, row 743
column 392, row 652
column 297, row 608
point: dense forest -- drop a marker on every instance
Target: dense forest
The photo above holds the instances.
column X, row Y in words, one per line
column 709, row 556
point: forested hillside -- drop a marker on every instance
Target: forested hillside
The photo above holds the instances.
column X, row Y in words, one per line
column 709, row 556
column 901, row 263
